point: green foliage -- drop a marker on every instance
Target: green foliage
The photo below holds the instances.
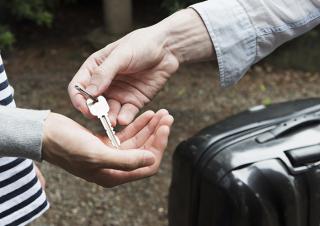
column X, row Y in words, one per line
column 34, row 10
column 41, row 12
column 6, row 38
column 174, row 5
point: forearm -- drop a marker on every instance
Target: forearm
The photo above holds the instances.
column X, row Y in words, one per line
column 21, row 132
column 245, row 31
column 186, row 36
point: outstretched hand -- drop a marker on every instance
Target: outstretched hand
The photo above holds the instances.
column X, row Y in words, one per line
column 75, row 149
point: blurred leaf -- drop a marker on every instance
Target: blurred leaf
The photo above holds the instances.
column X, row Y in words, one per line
column 267, row 101
column 6, row 39
column 181, row 92
column 262, row 88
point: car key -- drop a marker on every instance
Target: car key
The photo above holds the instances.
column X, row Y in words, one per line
column 99, row 107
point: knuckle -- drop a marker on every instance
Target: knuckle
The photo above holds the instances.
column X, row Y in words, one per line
column 130, row 163
column 107, row 47
column 98, row 71
column 94, row 56
column 93, row 158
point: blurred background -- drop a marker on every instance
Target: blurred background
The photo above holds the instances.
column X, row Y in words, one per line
column 44, row 42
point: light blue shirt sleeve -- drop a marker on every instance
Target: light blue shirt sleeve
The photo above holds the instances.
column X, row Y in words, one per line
column 245, row 31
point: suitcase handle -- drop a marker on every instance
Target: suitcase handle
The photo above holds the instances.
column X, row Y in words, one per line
column 303, row 159
column 288, row 125
column 304, row 156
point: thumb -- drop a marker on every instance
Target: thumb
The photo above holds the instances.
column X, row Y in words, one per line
column 126, row 159
column 102, row 75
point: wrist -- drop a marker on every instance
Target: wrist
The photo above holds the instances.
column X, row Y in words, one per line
column 49, row 144
column 47, row 137
column 186, row 36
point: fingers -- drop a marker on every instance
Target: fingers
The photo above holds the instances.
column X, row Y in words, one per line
column 115, row 167
column 136, row 126
column 167, row 120
column 141, row 134
column 111, row 178
column 81, row 105
column 78, row 101
column 161, row 139
column 115, row 107
column 83, row 77
column 127, row 114
column 102, row 76
column 158, row 142
column 150, row 143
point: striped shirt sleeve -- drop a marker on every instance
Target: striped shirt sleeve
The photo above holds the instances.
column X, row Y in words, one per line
column 22, row 198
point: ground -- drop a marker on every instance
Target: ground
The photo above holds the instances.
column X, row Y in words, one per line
column 40, row 68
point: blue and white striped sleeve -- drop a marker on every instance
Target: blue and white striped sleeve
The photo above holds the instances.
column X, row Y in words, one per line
column 245, row 31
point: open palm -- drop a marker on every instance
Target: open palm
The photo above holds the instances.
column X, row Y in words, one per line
column 150, row 132
column 92, row 157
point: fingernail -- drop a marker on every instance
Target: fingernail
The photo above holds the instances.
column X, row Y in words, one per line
column 79, row 107
column 123, row 120
column 92, row 89
column 149, row 159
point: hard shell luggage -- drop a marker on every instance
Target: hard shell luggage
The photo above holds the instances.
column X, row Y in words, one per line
column 257, row 168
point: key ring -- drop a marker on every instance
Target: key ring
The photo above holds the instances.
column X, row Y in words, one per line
column 85, row 94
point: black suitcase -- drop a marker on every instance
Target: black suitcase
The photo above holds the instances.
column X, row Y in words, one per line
column 257, row 168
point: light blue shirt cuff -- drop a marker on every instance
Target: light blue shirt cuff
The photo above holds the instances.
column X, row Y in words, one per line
column 233, row 37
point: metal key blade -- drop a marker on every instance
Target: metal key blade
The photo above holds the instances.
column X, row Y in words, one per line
column 110, row 132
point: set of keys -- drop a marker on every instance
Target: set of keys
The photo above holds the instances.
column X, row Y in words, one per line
column 99, row 107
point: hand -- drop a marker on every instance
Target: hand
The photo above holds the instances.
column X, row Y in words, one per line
column 132, row 70
column 75, row 149
column 128, row 72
